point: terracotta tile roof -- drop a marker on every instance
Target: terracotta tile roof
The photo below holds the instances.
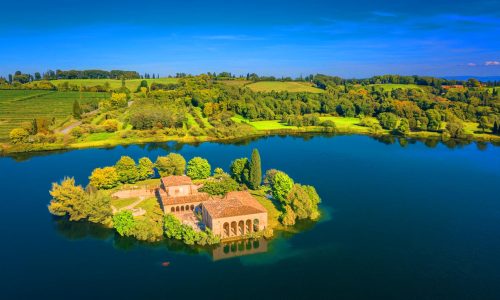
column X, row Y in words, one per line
column 233, row 204
column 175, row 180
column 196, row 197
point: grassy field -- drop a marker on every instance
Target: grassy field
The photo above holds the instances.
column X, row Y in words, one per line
column 390, row 86
column 17, row 106
column 292, row 87
column 238, row 83
column 342, row 124
column 131, row 84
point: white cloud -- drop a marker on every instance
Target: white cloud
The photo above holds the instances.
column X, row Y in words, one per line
column 492, row 63
column 471, row 64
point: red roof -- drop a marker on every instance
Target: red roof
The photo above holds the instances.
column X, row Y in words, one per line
column 175, row 180
column 239, row 203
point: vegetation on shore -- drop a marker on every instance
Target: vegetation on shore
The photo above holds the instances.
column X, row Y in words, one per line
column 144, row 219
column 208, row 108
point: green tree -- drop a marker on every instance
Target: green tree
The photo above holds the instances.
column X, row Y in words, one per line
column 68, row 199
column 124, row 222
column 104, row 178
column 288, row 217
column 172, row 164
column 126, row 169
column 239, row 169
column 455, row 129
column 255, row 170
column 145, row 170
column 388, row 120
column 483, row 123
column 404, row 126
column 98, row 206
column 220, row 184
column 434, row 119
column 19, row 135
column 304, row 201
column 281, row 185
column 77, row 110
column 198, row 168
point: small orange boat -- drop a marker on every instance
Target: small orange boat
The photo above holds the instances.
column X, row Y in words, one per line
column 165, row 264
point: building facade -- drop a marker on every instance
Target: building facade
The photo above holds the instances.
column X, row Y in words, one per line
column 236, row 214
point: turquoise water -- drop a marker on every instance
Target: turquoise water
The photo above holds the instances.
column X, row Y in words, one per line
column 398, row 222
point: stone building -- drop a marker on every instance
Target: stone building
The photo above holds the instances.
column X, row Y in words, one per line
column 179, row 194
column 236, row 214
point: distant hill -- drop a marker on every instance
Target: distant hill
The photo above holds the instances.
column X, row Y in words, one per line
column 480, row 78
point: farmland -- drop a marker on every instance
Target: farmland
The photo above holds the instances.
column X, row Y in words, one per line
column 278, row 86
column 131, row 84
column 17, row 106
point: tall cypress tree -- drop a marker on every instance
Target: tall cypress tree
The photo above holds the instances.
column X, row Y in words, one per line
column 77, row 110
column 255, row 170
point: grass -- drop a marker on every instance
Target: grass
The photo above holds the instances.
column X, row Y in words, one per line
column 273, row 212
column 18, row 106
column 342, row 124
column 289, row 86
column 236, row 82
column 121, row 203
column 131, row 84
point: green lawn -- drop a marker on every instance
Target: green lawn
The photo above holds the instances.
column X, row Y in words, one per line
column 278, row 86
column 18, row 106
column 131, row 84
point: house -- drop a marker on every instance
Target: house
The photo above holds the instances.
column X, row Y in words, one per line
column 179, row 194
column 236, row 214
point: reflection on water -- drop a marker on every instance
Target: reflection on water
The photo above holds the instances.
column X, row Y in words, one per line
column 174, row 146
column 239, row 248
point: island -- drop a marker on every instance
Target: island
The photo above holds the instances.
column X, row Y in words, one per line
column 68, row 111
column 187, row 201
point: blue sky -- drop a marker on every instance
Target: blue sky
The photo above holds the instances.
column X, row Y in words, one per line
column 346, row 38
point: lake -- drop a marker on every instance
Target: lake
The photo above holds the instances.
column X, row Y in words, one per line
column 400, row 221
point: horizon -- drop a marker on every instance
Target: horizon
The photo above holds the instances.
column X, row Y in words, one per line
column 282, row 38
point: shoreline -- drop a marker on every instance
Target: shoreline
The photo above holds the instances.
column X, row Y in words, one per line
column 8, row 150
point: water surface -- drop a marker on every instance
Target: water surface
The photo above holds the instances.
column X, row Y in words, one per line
column 399, row 223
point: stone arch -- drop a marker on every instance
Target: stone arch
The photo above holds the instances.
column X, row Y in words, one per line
column 248, row 245
column 172, row 209
column 187, row 208
column 241, row 227
column 225, row 230
column 256, row 244
column 256, row 225
column 234, row 229
column 177, row 208
column 182, row 207
column 241, row 246
column 192, row 207
column 248, row 227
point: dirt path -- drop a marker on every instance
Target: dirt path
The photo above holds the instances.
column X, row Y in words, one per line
column 68, row 128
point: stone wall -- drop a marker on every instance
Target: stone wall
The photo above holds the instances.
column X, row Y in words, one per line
column 148, row 193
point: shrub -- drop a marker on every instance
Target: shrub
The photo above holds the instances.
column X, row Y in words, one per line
column 110, row 125
column 18, row 135
column 124, row 222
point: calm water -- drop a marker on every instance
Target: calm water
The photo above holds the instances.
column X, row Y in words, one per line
column 399, row 223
